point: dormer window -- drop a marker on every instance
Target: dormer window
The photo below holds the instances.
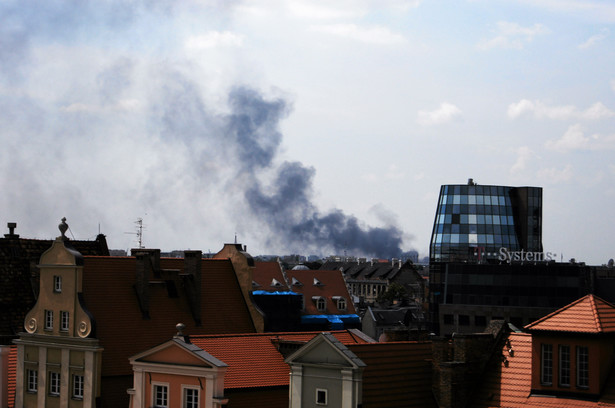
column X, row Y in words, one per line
column 275, row 283
column 340, row 302
column 255, row 284
column 295, row 282
column 546, row 364
column 57, row 284
column 321, row 303
column 317, row 282
column 582, row 367
column 564, row 365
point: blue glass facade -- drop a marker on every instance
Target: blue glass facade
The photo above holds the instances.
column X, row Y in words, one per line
column 473, row 222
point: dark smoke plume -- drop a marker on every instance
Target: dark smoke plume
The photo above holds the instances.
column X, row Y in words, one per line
column 286, row 206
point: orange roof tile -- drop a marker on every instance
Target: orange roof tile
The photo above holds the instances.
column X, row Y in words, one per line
column 110, row 296
column 590, row 314
column 12, row 373
column 331, row 284
column 507, row 382
column 254, row 360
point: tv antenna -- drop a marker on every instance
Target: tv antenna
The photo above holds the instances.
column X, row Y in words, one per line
column 139, row 232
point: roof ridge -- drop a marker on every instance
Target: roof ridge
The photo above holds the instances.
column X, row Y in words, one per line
column 592, row 304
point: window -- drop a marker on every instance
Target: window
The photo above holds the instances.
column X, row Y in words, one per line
column 480, row 321
column 64, row 320
column 48, row 320
column 546, row 366
column 78, row 386
column 582, row 367
column 57, row 284
column 161, row 396
column 191, row 398
column 321, row 396
column 32, row 380
column 448, row 319
column 464, row 320
column 564, row 366
column 54, row 383
column 341, row 303
column 321, row 304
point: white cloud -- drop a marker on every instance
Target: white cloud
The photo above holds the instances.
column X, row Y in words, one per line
column 214, row 39
column 553, row 175
column 512, row 36
column 524, row 154
column 613, row 84
column 445, row 113
column 541, row 110
column 124, row 105
column 370, row 35
column 594, row 39
column 575, row 139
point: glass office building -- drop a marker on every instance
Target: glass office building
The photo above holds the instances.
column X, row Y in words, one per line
column 474, row 222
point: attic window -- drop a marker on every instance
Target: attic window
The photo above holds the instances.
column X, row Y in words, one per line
column 275, row 283
column 255, row 284
column 321, row 303
column 295, row 282
column 341, row 302
column 317, row 282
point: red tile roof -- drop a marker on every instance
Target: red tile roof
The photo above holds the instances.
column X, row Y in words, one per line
column 254, row 359
column 265, row 272
column 12, row 373
column 331, row 284
column 109, row 294
column 507, row 382
column 398, row 374
column 590, row 314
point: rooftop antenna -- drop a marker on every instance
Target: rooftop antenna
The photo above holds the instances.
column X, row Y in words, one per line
column 139, row 232
column 235, row 238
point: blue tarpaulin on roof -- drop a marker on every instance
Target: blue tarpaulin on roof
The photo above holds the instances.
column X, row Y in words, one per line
column 264, row 292
column 338, row 322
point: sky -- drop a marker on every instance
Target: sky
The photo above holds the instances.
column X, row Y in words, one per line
column 310, row 127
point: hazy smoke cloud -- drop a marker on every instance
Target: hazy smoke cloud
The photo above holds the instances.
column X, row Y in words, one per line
column 110, row 136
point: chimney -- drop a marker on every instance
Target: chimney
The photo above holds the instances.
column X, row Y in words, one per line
column 11, row 234
column 192, row 273
column 143, row 270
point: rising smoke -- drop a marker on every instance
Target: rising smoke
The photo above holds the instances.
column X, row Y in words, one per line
column 106, row 138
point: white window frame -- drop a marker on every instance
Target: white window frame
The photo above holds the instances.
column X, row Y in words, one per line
column 48, row 319
column 582, row 367
column 323, row 301
column 32, row 380
column 322, row 391
column 194, row 403
column 163, row 387
column 57, row 284
column 54, row 384
column 546, row 364
column 64, row 320
column 78, row 386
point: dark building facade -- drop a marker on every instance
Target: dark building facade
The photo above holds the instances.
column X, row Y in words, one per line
column 487, row 261
column 474, row 222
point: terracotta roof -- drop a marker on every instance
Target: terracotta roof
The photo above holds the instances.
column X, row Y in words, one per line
column 507, row 383
column 12, row 373
column 590, row 314
column 254, row 359
column 398, row 374
column 323, row 283
column 109, row 294
column 264, row 274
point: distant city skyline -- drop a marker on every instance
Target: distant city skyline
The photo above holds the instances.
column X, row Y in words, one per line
column 304, row 126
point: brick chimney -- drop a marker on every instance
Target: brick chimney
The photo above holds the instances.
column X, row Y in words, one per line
column 192, row 282
column 147, row 266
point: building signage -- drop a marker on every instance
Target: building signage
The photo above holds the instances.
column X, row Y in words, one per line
column 525, row 256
